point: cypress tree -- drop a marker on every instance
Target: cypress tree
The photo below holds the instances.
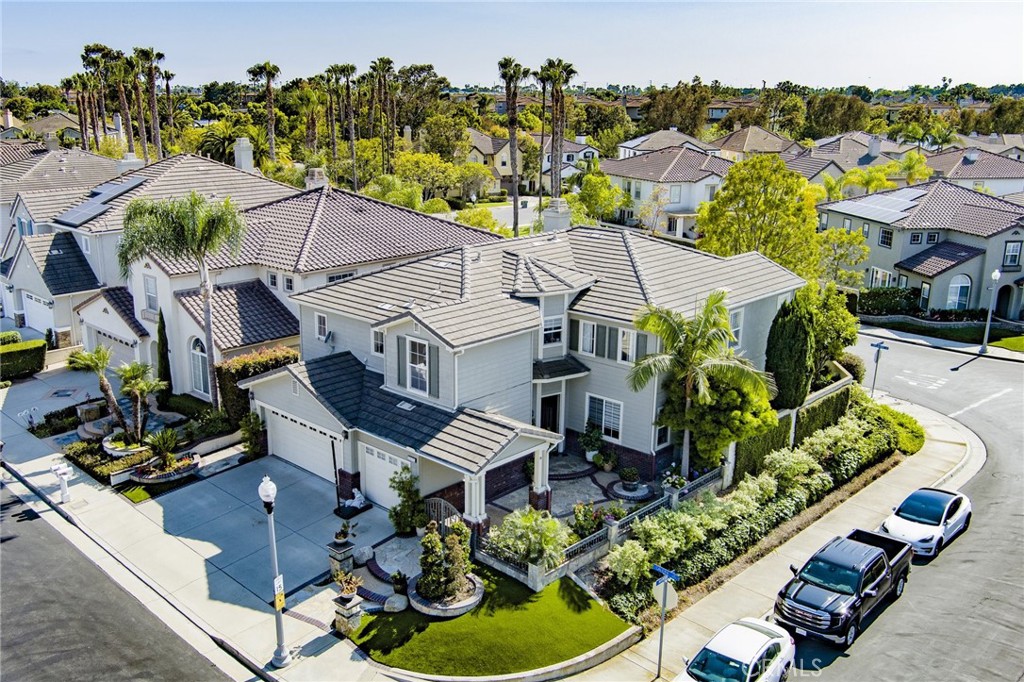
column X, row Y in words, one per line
column 790, row 354
column 163, row 369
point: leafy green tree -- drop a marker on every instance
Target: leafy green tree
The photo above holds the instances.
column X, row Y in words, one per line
column 600, row 197
column 841, row 252
column 435, row 175
column 163, row 364
column 914, row 168
column 834, row 113
column 651, row 212
column 578, row 213
column 267, row 73
column 789, row 355
column 872, row 178
column 684, row 106
column 732, row 413
column 20, row 106
column 445, row 136
column 394, row 190
column 835, row 328
column 191, row 229
column 765, row 207
column 693, row 352
column 474, row 179
column 97, row 361
column 483, row 219
column 419, row 89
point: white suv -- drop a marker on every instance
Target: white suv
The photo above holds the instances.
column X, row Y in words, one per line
column 748, row 650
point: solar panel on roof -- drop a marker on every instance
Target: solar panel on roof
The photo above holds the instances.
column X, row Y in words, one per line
column 113, row 189
column 81, row 214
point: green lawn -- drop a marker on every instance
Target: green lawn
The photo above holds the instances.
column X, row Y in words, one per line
column 961, row 334
column 512, row 630
column 1011, row 343
column 140, row 493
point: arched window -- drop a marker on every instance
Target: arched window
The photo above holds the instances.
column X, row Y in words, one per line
column 200, row 370
column 959, row 293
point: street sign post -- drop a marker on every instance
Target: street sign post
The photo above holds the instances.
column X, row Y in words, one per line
column 279, row 593
column 663, row 582
column 879, row 347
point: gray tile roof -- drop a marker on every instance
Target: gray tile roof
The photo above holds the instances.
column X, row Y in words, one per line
column 60, row 262
column 16, row 150
column 45, row 204
column 57, row 169
column 53, row 122
column 468, row 295
column 466, row 439
column 568, row 146
column 934, row 205
column 567, row 366
column 809, row 165
column 535, row 276
column 847, row 153
column 244, row 314
column 662, row 139
column 122, row 302
column 675, row 164
column 996, row 143
column 954, row 164
column 756, row 140
column 176, row 176
column 326, row 228
column 834, row 143
column 938, row 259
column 485, row 143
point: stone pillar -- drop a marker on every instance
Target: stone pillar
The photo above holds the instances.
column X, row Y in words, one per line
column 340, row 556
column 730, row 466
column 673, row 496
column 540, row 491
column 63, row 338
column 19, row 319
column 613, row 532
column 347, row 482
column 348, row 616
column 557, row 216
column 476, row 506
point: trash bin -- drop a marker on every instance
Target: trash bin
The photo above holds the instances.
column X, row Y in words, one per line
column 522, row 204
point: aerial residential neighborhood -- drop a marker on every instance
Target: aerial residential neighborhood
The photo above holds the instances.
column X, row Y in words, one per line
column 388, row 348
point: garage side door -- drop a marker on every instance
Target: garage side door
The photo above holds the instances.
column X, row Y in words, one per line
column 302, row 445
column 376, row 468
column 38, row 315
column 121, row 351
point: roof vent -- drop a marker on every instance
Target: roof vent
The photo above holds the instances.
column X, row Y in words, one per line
column 972, row 155
column 385, row 306
column 474, row 257
column 56, row 252
column 406, row 405
column 410, row 303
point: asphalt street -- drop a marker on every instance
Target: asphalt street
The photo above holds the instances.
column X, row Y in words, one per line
column 64, row 619
column 962, row 615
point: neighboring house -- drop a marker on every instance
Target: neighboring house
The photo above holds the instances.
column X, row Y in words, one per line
column 1010, row 145
column 16, row 150
column 687, row 178
column 941, row 238
column 839, row 155
column 299, row 242
column 573, row 153
column 58, row 123
column 492, row 152
column 981, row 170
column 464, row 364
column 663, row 139
column 719, row 109
column 745, row 142
column 11, row 127
column 863, row 140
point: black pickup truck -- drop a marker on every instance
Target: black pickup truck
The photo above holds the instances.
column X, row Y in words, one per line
column 841, row 584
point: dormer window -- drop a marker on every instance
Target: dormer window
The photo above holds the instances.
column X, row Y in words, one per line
column 419, row 366
column 552, row 330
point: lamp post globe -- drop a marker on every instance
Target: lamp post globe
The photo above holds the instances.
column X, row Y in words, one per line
column 991, row 304
column 268, row 493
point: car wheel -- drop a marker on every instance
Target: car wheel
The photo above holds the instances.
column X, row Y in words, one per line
column 938, row 546
column 785, row 674
column 967, row 522
column 851, row 635
column 901, row 582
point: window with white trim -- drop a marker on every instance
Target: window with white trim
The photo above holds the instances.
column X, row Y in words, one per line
column 847, row 224
column 933, row 238
column 321, row 326
column 959, row 294
column 1011, row 255
column 627, row 345
column 289, row 283
column 712, row 191
column 418, row 364
column 662, row 436
column 587, row 333
column 272, row 280
column 552, row 330
column 340, row 276
column 880, row 278
column 865, row 230
column 607, row 414
column 86, row 245
column 736, row 326
column 926, row 293
column 823, row 221
column 377, row 342
column 200, row 368
column 149, row 285
column 915, row 237
column 674, row 192
column 885, row 238
column 979, row 185
column 901, row 282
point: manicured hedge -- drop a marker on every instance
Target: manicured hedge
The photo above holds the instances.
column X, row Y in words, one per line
column 234, row 400
column 90, row 457
column 821, row 414
column 889, row 301
column 9, row 337
column 186, row 405
column 750, row 453
column 854, row 365
column 19, row 360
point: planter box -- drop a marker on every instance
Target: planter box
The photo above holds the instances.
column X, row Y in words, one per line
column 165, row 477
column 118, row 453
column 214, row 443
column 439, row 610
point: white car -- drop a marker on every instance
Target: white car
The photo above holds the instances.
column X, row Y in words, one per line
column 748, row 650
column 928, row 519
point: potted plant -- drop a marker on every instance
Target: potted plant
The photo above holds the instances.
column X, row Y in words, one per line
column 673, row 479
column 349, row 584
column 400, row 582
column 420, row 520
column 345, row 531
column 606, row 459
column 630, row 478
column 591, row 440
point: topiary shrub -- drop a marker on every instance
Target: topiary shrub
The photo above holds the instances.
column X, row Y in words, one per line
column 750, row 453
column 435, row 205
column 821, row 413
column 20, row 360
column 9, row 337
column 235, row 401
column 854, row 365
column 789, row 355
column 404, row 515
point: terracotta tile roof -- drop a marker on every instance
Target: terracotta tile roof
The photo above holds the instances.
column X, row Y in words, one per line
column 60, row 262
column 675, row 164
column 122, row 303
column 938, row 259
column 244, row 314
column 956, row 165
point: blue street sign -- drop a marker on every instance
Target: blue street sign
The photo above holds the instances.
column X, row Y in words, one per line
column 665, row 572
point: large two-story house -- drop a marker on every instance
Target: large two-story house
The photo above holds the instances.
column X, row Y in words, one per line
column 492, row 152
column 573, row 152
column 463, row 364
column 979, row 169
column 663, row 139
column 685, row 177
column 941, row 238
column 746, row 142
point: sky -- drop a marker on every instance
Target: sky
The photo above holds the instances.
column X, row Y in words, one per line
column 878, row 44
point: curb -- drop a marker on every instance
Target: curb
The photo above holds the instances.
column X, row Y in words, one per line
column 223, row 644
column 961, row 351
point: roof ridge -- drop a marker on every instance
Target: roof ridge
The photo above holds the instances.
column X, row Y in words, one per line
column 627, row 240
column 546, row 267
column 311, row 229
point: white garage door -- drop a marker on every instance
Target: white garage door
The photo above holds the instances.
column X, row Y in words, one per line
column 302, row 445
column 38, row 315
column 377, row 467
column 121, row 351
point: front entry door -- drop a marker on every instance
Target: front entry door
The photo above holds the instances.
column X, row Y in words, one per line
column 549, row 413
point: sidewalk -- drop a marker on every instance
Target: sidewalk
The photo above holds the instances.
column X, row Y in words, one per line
column 955, row 346
column 951, row 455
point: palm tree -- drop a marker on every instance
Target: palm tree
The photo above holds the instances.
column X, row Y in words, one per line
column 307, row 101
column 873, row 178
column 694, row 351
column 542, row 76
column 560, row 72
column 382, row 69
column 332, row 82
column 120, row 73
column 914, row 168
column 267, row 73
column 217, row 141
column 78, row 85
column 168, row 77
column 138, row 383
column 135, row 66
column 190, row 229
column 96, row 58
column 92, row 86
column 148, row 59
column 513, row 73
column 97, row 361
column 347, row 71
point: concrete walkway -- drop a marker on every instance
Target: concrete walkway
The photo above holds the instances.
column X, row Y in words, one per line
column 170, row 573
column 955, row 346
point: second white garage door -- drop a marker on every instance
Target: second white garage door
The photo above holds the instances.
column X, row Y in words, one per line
column 377, row 467
column 121, row 351
column 302, row 445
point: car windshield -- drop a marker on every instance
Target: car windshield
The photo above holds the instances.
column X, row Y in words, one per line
column 830, row 577
column 711, row 666
column 922, row 509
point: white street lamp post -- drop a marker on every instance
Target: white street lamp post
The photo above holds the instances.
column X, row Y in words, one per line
column 991, row 304
column 268, row 491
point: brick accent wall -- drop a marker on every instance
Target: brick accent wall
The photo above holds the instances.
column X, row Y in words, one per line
column 644, row 462
column 506, row 478
column 347, row 482
column 454, row 495
column 540, row 500
column 63, row 339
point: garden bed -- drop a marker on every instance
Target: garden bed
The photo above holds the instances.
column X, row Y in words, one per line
column 511, row 631
column 966, row 332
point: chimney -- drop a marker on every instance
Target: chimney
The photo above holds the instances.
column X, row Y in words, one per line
column 971, row 155
column 974, row 133
column 130, row 162
column 736, row 126
column 874, row 146
column 118, row 127
column 557, row 216
column 407, row 134
column 581, row 139
column 674, row 129
column 8, row 118
column 51, row 143
column 315, row 178
column 243, row 155
column 993, row 137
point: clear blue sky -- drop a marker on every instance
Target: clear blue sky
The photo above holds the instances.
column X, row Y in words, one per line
column 879, row 44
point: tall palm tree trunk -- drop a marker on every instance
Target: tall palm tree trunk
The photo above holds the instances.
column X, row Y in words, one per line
column 154, row 114
column 139, row 99
column 108, row 393
column 540, row 173
column 83, row 125
column 170, row 109
column 126, row 123
column 93, row 110
column 270, row 120
column 350, row 115
column 206, row 287
column 332, row 115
